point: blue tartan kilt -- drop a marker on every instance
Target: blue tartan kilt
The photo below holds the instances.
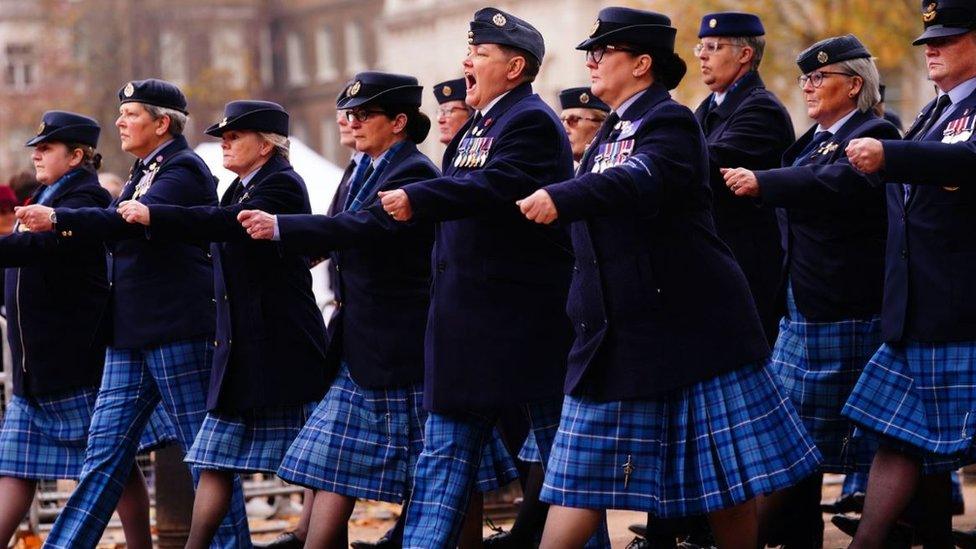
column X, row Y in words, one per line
column 818, row 364
column 254, row 441
column 920, row 398
column 702, row 448
column 44, row 438
column 364, row 443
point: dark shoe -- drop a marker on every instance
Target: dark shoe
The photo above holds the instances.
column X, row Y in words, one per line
column 288, row 540
column 964, row 540
column 900, row 536
column 847, row 503
column 507, row 540
column 639, row 528
column 382, row 543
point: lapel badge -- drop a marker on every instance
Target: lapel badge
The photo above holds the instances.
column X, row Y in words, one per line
column 40, row 129
column 354, row 88
column 595, row 28
column 446, row 91
column 223, row 122
column 499, row 20
column 584, row 98
column 929, row 14
column 129, row 90
column 486, row 124
column 712, row 23
column 822, row 57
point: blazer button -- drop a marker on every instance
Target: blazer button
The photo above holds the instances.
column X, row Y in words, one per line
column 226, row 298
column 212, row 300
column 584, row 326
column 210, row 255
column 216, row 343
column 904, row 254
column 338, row 267
column 441, row 266
column 575, row 268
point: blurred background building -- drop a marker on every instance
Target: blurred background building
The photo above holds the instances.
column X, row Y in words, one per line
column 76, row 54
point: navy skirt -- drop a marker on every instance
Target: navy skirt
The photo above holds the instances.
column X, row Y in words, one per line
column 44, row 438
column 819, row 363
column 920, row 398
column 702, row 448
column 364, row 443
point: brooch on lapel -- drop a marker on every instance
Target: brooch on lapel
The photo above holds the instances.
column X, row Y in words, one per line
column 827, row 148
column 626, row 129
column 147, row 180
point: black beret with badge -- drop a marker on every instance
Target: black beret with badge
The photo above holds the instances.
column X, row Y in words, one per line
column 730, row 23
column 152, row 91
column 452, row 90
column 66, row 127
column 493, row 26
column 944, row 18
column 581, row 98
column 831, row 50
column 252, row 115
column 637, row 28
column 382, row 88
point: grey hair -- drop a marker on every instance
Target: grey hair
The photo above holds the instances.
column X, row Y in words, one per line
column 177, row 119
column 280, row 143
column 870, row 93
column 758, row 45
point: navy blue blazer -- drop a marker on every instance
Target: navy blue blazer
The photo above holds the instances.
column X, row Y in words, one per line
column 270, row 341
column 657, row 301
column 383, row 279
column 751, row 129
column 833, row 223
column 930, row 275
column 162, row 291
column 56, row 294
column 496, row 334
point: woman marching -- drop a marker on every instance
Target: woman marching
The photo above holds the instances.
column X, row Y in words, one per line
column 833, row 222
column 270, row 341
column 364, row 438
column 670, row 407
column 56, row 297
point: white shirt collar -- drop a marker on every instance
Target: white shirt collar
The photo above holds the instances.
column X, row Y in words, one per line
column 149, row 158
column 719, row 97
column 492, row 103
column 837, row 125
column 630, row 101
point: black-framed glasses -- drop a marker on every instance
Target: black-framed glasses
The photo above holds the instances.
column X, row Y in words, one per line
column 596, row 54
column 711, row 47
column 573, row 120
column 447, row 111
column 816, row 78
column 361, row 115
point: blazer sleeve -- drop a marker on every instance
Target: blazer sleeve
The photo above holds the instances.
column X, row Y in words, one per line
column 929, row 162
column 28, row 248
column 747, row 139
column 528, row 151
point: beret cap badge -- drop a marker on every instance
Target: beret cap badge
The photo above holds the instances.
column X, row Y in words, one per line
column 822, row 57
column 446, row 90
column 40, row 129
column 499, row 20
column 584, row 98
column 129, row 90
column 223, row 122
column 929, row 14
column 354, row 88
column 712, row 23
column 595, row 28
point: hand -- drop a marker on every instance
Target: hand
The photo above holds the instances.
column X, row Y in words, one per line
column 538, row 207
column 397, row 204
column 36, row 218
column 741, row 182
column 259, row 225
column 866, row 154
column 133, row 211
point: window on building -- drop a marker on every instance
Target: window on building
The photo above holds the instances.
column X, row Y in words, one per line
column 355, row 47
column 296, row 59
column 326, row 69
column 172, row 57
column 267, row 58
column 20, row 70
column 228, row 54
column 330, row 138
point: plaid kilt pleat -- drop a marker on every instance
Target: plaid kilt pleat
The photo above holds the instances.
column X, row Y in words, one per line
column 529, row 452
column 921, row 399
column 364, row 443
column 702, row 448
column 254, row 441
column 818, row 364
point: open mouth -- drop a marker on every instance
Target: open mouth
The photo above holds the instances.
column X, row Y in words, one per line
column 470, row 82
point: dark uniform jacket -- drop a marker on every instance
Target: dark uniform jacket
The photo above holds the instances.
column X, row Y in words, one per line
column 162, row 291
column 382, row 282
column 833, row 223
column 270, row 342
column 56, row 295
column 497, row 333
column 930, row 275
column 657, row 300
column 750, row 129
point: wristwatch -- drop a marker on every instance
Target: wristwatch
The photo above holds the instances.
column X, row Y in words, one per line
column 53, row 217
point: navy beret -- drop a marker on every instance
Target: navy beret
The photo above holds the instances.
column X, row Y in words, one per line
column 382, row 88
column 152, row 91
column 830, row 51
column 730, row 23
column 66, row 127
column 257, row 116
column 637, row 28
column 581, row 98
column 452, row 90
column 342, row 93
column 493, row 26
column 946, row 18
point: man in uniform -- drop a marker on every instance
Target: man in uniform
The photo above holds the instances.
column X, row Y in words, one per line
column 497, row 334
column 582, row 114
column 916, row 394
column 162, row 312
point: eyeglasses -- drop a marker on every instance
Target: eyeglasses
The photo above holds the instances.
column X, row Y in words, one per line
column 711, row 47
column 446, row 111
column 816, row 78
column 573, row 120
column 361, row 114
column 596, row 54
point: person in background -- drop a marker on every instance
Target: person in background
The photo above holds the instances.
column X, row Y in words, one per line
column 23, row 184
column 112, row 183
column 452, row 111
column 582, row 115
